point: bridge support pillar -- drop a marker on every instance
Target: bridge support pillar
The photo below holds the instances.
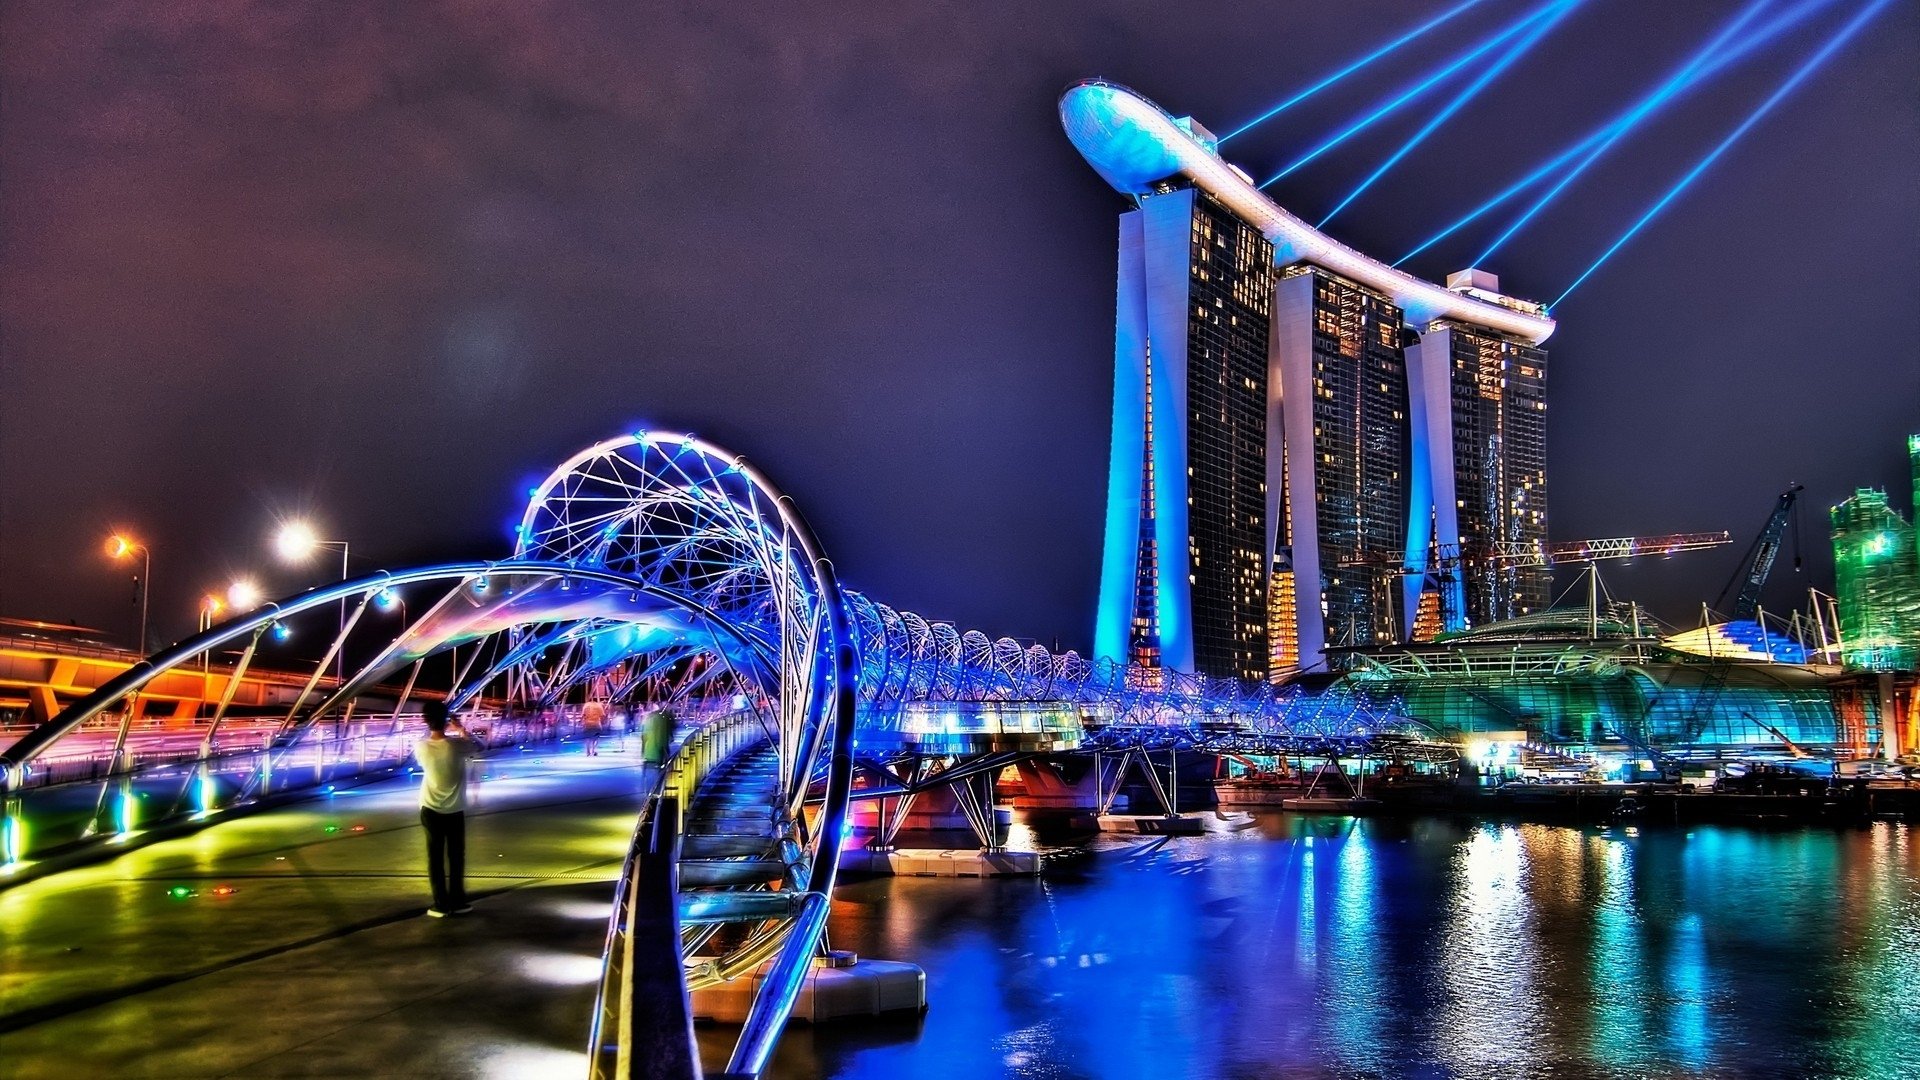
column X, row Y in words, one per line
column 930, row 810
column 841, row 986
column 1044, row 786
column 965, row 805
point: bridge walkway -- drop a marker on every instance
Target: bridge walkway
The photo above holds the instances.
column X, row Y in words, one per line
column 731, row 837
column 294, row 942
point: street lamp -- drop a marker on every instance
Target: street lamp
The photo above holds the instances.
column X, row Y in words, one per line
column 243, row 595
column 121, row 546
column 210, row 607
column 297, row 542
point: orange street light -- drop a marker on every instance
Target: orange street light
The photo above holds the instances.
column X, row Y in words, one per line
column 121, row 546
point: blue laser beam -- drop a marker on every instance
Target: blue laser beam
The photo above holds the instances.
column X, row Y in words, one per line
column 1416, row 89
column 1673, row 84
column 1800, row 75
column 1760, row 36
column 1556, row 13
column 1376, row 54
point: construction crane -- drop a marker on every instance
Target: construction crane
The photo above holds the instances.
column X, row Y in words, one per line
column 1544, row 554
column 1752, row 573
column 1751, row 576
column 1449, row 559
column 1620, row 547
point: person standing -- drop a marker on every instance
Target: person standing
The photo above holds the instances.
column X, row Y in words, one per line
column 443, row 755
column 593, row 719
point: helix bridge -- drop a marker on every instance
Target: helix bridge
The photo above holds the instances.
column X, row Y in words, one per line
column 653, row 572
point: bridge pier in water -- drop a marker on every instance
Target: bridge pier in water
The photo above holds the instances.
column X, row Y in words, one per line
column 926, row 833
column 1057, row 784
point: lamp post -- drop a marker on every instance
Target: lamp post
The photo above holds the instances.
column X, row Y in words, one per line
column 296, row 542
column 387, row 599
column 210, row 608
column 121, row 546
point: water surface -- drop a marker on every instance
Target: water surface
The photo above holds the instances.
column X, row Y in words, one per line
column 1320, row 947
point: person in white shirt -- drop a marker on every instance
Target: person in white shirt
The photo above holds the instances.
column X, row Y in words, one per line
column 443, row 755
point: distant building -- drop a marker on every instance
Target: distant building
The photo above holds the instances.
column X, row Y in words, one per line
column 1271, row 481
column 1603, row 691
column 1480, row 405
column 1877, row 579
column 1346, row 461
column 1184, row 585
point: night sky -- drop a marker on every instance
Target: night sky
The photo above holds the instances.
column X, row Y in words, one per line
column 385, row 264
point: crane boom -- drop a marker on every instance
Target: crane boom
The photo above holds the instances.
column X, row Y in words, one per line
column 1619, row 547
column 1752, row 576
column 1570, row 551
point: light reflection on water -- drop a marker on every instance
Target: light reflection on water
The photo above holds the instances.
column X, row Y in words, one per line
column 1331, row 947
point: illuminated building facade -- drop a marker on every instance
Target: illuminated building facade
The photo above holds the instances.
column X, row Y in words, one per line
column 1479, row 410
column 1604, row 690
column 1342, row 464
column 1186, row 529
column 1877, row 578
column 1333, row 423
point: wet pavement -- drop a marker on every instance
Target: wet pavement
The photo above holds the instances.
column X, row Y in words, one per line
column 294, row 943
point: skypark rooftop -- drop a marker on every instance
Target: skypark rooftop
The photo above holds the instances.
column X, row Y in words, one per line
column 1135, row 145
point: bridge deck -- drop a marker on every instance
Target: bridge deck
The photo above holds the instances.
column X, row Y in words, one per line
column 321, row 962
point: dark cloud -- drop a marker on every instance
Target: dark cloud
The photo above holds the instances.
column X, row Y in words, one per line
column 383, row 262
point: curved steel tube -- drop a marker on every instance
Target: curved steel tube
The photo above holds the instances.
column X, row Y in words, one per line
column 37, row 740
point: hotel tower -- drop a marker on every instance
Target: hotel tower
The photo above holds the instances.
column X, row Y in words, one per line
column 1309, row 446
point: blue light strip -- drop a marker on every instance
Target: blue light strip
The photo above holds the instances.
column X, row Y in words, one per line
column 1556, row 12
column 1349, row 69
column 1425, row 84
column 1120, row 555
column 1799, row 76
column 1764, row 35
column 1673, row 85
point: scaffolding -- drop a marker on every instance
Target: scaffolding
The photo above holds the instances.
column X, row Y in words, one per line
column 1877, row 574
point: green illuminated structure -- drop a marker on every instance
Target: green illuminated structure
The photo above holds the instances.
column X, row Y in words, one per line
column 1877, row 577
column 1584, row 685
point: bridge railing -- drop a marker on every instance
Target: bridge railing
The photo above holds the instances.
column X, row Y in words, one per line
column 643, row 936
column 60, row 804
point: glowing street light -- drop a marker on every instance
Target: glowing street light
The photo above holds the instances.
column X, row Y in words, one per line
column 297, row 542
column 244, row 595
column 121, row 546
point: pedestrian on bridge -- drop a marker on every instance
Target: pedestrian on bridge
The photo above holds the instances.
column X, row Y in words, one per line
column 593, row 721
column 443, row 755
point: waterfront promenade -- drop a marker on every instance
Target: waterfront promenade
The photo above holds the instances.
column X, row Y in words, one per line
column 293, row 942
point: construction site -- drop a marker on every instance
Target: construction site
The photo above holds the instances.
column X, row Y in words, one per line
column 1593, row 690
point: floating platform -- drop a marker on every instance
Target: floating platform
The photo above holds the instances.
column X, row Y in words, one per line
column 1191, row 824
column 840, row 987
column 931, row 862
column 1235, row 793
column 1322, row 805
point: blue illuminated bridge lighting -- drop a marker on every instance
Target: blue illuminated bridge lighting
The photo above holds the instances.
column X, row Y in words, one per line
column 662, row 569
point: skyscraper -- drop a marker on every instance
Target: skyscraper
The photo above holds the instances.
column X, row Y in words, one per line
column 1186, row 541
column 1344, row 452
column 1480, row 407
column 1270, row 471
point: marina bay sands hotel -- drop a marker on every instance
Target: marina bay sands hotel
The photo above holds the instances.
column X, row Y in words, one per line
column 1311, row 449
